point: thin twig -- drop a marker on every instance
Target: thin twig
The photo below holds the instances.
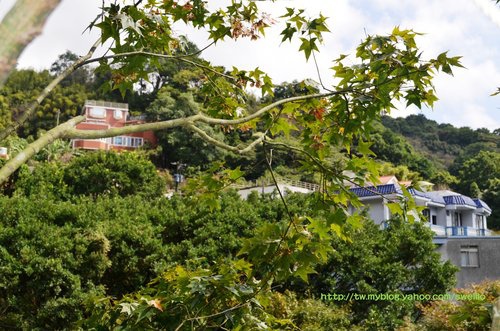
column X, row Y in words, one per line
column 319, row 73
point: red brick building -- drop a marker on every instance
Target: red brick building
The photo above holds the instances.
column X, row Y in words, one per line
column 101, row 115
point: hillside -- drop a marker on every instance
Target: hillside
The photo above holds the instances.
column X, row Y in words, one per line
column 442, row 143
column 463, row 159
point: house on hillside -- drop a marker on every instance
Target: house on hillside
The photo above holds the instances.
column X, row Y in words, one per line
column 447, row 213
column 101, row 115
column 458, row 221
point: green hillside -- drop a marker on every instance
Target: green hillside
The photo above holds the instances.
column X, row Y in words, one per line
column 462, row 159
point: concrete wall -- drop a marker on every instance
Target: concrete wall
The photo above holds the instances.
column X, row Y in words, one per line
column 376, row 210
column 489, row 258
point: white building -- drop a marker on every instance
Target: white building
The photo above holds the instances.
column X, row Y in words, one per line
column 448, row 213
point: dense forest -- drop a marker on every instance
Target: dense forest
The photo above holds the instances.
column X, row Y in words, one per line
column 80, row 237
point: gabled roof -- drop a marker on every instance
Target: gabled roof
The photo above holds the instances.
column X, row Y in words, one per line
column 372, row 191
column 459, row 200
column 481, row 204
column 384, row 180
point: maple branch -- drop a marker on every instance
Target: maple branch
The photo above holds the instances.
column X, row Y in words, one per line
column 262, row 111
column 112, row 56
column 182, row 57
column 23, row 23
column 67, row 130
column 33, row 148
column 205, row 136
column 94, row 134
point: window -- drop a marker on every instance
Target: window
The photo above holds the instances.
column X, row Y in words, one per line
column 118, row 141
column 469, row 256
column 128, row 141
column 135, row 142
column 426, row 213
column 97, row 112
column 480, row 221
column 118, row 114
column 434, row 219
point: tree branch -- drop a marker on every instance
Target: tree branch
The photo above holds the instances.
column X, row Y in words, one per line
column 112, row 56
column 182, row 58
column 262, row 111
column 31, row 108
column 67, row 130
column 33, row 148
column 326, row 169
column 23, row 23
column 94, row 134
column 223, row 145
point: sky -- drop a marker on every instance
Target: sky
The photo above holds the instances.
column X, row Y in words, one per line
column 467, row 28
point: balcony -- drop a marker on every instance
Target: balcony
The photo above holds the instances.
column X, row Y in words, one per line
column 458, row 231
column 438, row 229
column 464, row 231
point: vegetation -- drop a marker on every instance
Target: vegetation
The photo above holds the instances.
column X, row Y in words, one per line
column 58, row 256
column 464, row 314
column 91, row 242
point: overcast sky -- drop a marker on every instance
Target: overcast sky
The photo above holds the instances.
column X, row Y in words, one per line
column 469, row 28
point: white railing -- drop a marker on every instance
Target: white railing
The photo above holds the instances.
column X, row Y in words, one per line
column 99, row 103
column 270, row 182
column 438, row 229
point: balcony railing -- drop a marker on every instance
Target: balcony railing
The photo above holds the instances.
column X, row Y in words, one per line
column 466, row 231
column 456, row 231
column 438, row 229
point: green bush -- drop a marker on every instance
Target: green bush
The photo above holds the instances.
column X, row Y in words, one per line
column 399, row 260
column 93, row 174
column 57, row 256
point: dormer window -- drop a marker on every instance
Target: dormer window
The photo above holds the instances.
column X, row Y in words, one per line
column 97, row 112
column 118, row 114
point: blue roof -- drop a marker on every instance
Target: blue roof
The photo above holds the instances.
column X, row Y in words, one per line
column 459, row 200
column 481, row 204
column 376, row 190
column 417, row 193
column 452, row 199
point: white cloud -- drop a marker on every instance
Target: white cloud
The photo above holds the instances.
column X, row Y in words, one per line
column 490, row 10
column 63, row 31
